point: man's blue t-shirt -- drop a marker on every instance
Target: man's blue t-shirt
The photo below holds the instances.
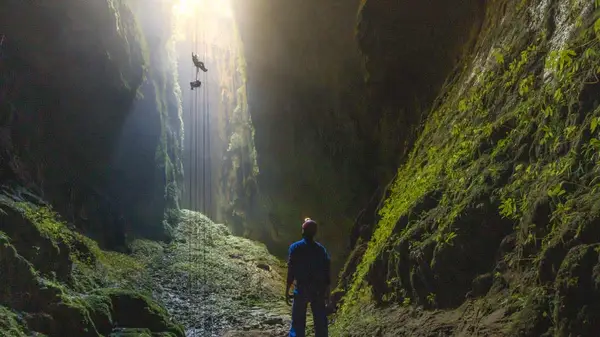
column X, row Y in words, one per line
column 309, row 265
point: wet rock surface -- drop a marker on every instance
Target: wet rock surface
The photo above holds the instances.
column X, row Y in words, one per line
column 222, row 290
column 56, row 282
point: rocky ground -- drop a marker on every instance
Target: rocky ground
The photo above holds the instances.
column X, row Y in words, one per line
column 216, row 284
column 210, row 282
column 56, row 282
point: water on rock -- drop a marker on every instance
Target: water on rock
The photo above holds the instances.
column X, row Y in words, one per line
column 215, row 283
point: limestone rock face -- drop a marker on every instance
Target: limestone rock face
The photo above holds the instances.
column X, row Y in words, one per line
column 59, row 283
column 71, row 72
column 495, row 209
column 302, row 108
column 336, row 90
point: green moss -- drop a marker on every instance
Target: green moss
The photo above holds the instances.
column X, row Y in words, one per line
column 132, row 333
column 122, row 267
column 97, row 313
column 146, row 250
column 239, row 274
column 169, row 149
column 71, row 317
column 92, row 266
column 238, row 185
column 532, row 313
column 19, row 279
column 517, row 126
column 222, row 254
column 134, row 310
column 9, row 325
column 50, row 225
column 68, row 309
column 100, row 310
column 365, row 322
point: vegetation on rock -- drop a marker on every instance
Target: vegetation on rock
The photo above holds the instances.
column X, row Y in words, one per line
column 59, row 283
column 9, row 324
column 67, row 91
column 498, row 198
column 239, row 199
column 327, row 140
column 149, row 157
column 214, row 281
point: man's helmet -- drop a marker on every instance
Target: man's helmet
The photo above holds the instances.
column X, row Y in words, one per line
column 309, row 227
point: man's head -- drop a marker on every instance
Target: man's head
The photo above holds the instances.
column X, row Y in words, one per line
column 309, row 228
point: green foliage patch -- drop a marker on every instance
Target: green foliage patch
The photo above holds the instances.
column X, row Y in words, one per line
column 518, row 130
column 76, row 304
column 9, row 325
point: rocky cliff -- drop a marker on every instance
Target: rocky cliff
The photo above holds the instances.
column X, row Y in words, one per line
column 69, row 83
column 220, row 155
column 303, row 111
column 57, row 282
column 147, row 165
column 328, row 141
column 490, row 224
column 90, row 142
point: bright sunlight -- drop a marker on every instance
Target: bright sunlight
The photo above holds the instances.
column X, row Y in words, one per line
column 188, row 8
column 204, row 14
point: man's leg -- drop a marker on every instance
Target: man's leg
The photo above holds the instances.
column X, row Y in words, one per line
column 298, row 328
column 319, row 317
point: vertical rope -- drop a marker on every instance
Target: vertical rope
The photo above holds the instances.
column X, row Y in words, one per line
column 208, row 192
column 194, row 179
column 191, row 176
column 208, row 151
column 203, row 261
column 205, row 131
column 198, row 314
column 201, row 197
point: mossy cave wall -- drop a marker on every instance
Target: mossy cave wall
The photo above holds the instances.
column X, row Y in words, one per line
column 332, row 126
column 90, row 144
column 57, row 282
column 90, row 120
column 149, row 167
column 239, row 199
column 498, row 197
column 457, row 146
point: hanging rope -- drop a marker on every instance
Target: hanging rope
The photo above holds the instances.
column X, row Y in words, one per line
column 191, row 172
column 201, row 190
column 200, row 184
column 205, row 157
column 207, row 164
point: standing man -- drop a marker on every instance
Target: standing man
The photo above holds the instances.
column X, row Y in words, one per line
column 309, row 266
